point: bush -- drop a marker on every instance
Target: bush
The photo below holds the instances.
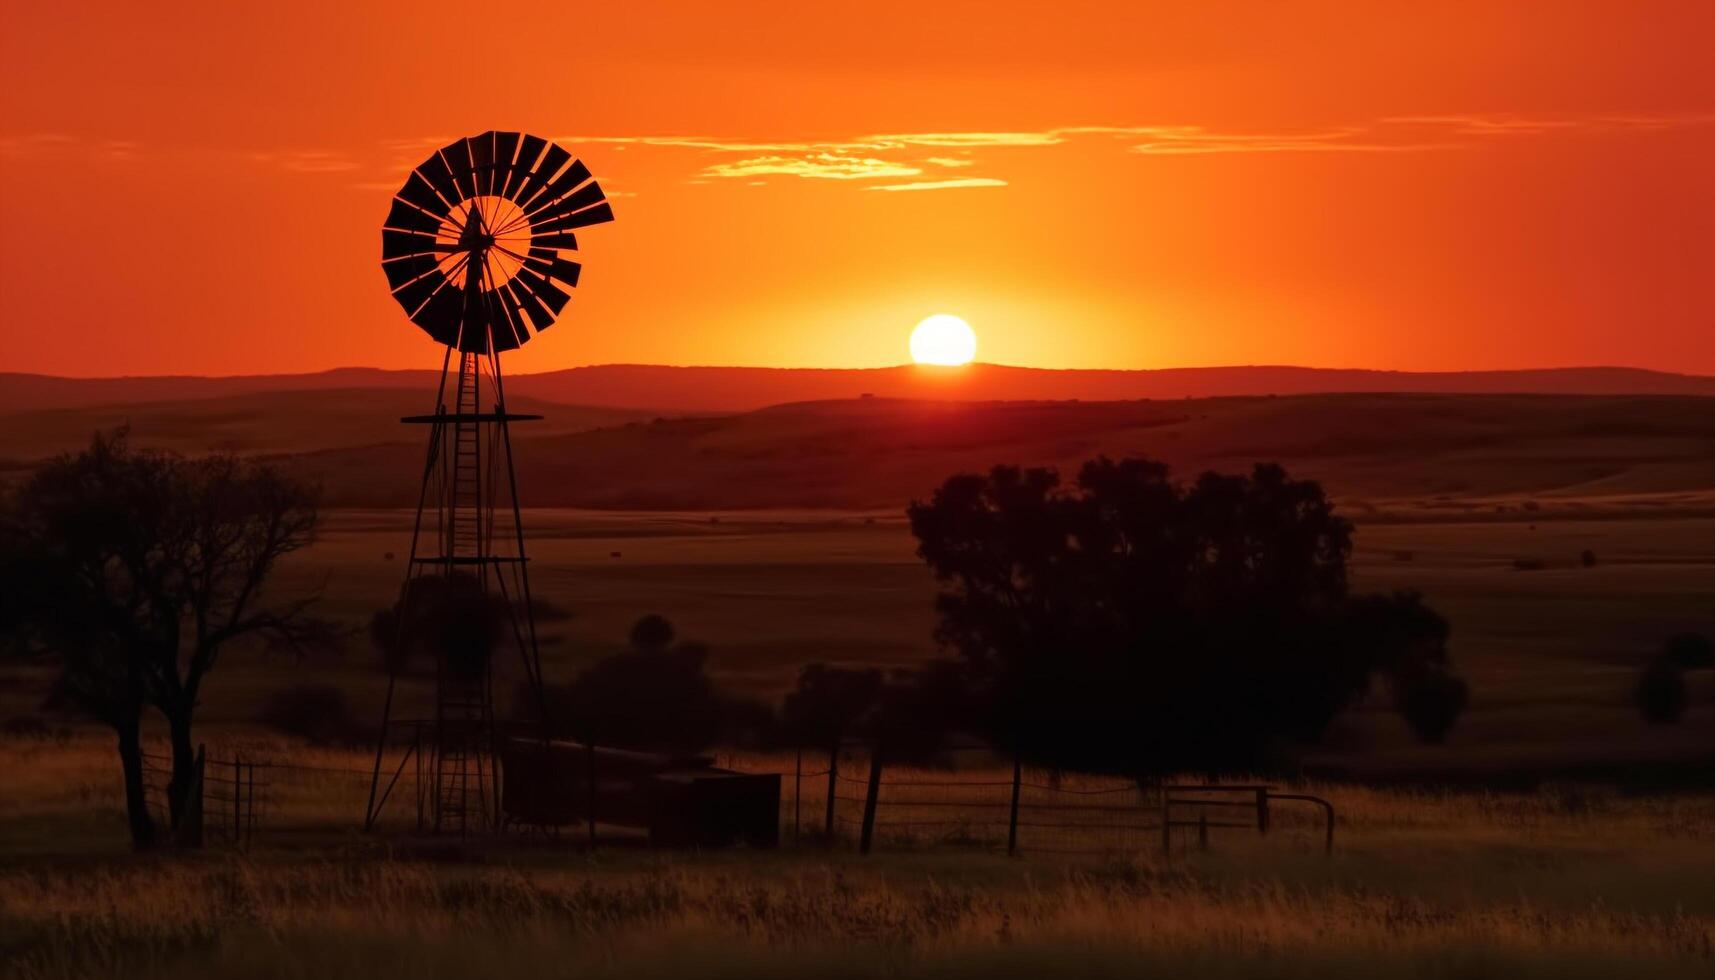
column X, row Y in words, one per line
column 1689, row 651
column 1587, row 558
column 316, row 712
column 1430, row 700
column 654, row 696
column 1661, row 694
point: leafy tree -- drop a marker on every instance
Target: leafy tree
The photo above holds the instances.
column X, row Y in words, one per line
column 653, row 696
column 448, row 620
column 1661, row 693
column 146, row 567
column 828, row 704
column 1134, row 624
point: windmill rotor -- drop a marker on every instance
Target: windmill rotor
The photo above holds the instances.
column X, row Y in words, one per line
column 472, row 242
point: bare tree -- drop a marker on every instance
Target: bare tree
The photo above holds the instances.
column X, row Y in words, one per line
column 150, row 565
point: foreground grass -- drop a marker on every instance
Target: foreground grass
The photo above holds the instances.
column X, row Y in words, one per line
column 1573, row 881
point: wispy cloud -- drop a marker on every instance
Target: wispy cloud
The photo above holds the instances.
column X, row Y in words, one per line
column 1478, row 124
column 1044, row 138
column 950, row 161
column 823, row 166
column 940, row 185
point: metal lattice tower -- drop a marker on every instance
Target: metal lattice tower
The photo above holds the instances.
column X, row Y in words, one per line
column 471, row 248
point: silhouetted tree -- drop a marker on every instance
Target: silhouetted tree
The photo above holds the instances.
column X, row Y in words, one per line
column 915, row 709
column 828, row 704
column 448, row 619
column 1689, row 651
column 147, row 566
column 1133, row 624
column 652, row 632
column 653, row 696
column 1662, row 694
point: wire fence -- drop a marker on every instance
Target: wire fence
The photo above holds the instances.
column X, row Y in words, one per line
column 1042, row 812
column 826, row 799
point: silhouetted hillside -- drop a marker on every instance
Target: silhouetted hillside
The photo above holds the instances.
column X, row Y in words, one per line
column 264, row 422
column 880, row 453
column 728, row 389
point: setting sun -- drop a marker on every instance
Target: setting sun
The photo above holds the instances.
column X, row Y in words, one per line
column 943, row 339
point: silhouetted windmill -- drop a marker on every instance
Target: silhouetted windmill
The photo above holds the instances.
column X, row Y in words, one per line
column 472, row 250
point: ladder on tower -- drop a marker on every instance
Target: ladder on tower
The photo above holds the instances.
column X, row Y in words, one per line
column 460, row 767
column 465, row 525
column 462, row 760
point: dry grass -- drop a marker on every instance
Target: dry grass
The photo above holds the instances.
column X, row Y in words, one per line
column 1573, row 881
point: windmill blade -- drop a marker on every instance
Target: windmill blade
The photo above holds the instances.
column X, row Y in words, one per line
column 505, row 148
column 435, row 171
column 415, row 293
column 440, row 316
column 575, row 175
column 547, row 262
column 482, row 162
column 395, row 244
column 545, row 291
column 539, row 177
column 514, row 317
column 403, row 270
column 577, row 200
column 529, row 151
column 599, row 214
column 457, row 156
column 502, row 334
column 540, row 316
column 418, row 192
column 403, row 217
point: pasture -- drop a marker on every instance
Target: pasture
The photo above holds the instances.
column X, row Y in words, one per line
column 1572, row 880
column 1551, row 652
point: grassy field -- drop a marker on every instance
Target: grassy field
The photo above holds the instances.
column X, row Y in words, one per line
column 1570, row 881
column 1551, row 653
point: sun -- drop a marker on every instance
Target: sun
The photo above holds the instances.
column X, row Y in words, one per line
column 943, row 339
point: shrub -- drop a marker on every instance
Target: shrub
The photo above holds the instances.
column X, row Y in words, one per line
column 1587, row 558
column 1430, row 700
column 1689, row 651
column 1661, row 694
column 316, row 712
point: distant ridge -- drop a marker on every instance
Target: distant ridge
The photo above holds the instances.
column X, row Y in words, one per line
column 738, row 389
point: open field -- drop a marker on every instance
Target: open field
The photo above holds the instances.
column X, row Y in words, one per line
column 1551, row 654
column 1571, row 881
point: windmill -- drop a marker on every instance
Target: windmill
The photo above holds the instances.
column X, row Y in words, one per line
column 472, row 248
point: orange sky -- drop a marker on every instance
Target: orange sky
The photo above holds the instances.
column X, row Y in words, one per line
column 1440, row 186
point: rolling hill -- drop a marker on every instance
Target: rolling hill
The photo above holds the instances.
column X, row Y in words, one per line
column 655, row 388
column 1457, row 453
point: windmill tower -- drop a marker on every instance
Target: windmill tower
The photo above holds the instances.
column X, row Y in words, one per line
column 472, row 250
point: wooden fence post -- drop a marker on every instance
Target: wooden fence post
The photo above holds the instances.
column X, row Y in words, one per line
column 589, row 755
column 1262, row 811
column 194, row 806
column 1012, row 814
column 833, row 774
column 1166, row 822
column 237, row 798
column 797, row 793
column 869, row 800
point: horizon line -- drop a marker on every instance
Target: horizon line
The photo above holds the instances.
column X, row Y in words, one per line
column 933, row 368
